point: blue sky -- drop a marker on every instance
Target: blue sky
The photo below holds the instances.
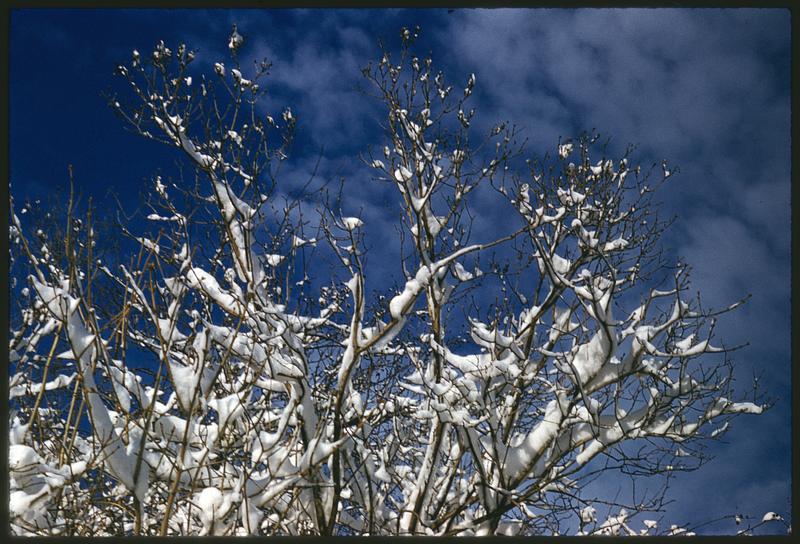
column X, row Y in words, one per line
column 706, row 89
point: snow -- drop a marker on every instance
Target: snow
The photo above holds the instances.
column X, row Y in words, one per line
column 237, row 76
column 509, row 528
column 197, row 278
column 560, row 265
column 616, row 244
column 614, row 524
column 744, row 408
column 60, row 381
column 677, row 530
column 21, row 503
column 570, row 196
column 413, row 287
column 169, row 330
column 213, row 505
column 588, row 514
column 120, row 463
column 233, row 135
column 402, row 174
column 519, row 458
column 352, row 223
column 203, row 160
column 461, row 273
column 300, row 242
column 697, row 349
column 185, row 380
column 229, row 408
column 591, row 356
column 274, row 260
column 235, row 40
column 22, row 458
column 684, row 344
column 156, row 217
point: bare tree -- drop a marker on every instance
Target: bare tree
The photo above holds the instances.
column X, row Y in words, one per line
column 220, row 385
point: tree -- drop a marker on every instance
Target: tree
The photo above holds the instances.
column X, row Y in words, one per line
column 219, row 385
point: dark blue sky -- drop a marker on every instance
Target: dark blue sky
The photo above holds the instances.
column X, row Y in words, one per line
column 706, row 89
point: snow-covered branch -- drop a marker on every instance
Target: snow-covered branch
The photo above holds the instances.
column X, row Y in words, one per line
column 225, row 373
